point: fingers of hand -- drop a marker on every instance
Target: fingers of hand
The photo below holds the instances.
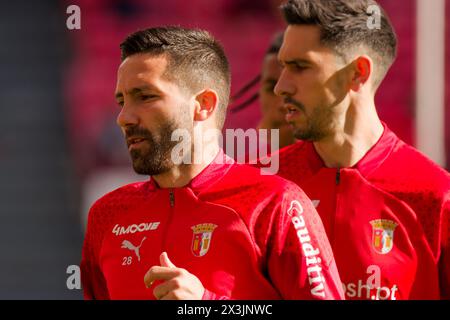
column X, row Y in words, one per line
column 160, row 273
column 165, row 261
column 169, row 290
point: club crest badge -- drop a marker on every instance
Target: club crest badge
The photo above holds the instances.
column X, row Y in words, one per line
column 383, row 235
column 201, row 239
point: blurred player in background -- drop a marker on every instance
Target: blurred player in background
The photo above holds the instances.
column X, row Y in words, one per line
column 206, row 229
column 385, row 206
column 272, row 109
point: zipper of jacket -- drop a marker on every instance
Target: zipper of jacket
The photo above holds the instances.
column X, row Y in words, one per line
column 171, row 198
column 338, row 176
column 336, row 206
column 169, row 218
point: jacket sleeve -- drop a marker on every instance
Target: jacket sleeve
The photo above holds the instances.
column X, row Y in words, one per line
column 300, row 262
column 444, row 261
column 94, row 284
column 209, row 295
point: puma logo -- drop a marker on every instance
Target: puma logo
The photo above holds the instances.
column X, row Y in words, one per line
column 128, row 245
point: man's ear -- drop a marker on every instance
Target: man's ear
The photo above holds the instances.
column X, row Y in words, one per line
column 362, row 72
column 206, row 103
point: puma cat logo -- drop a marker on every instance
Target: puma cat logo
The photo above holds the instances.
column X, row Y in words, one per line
column 128, row 245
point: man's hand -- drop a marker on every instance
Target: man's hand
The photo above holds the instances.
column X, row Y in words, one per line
column 178, row 283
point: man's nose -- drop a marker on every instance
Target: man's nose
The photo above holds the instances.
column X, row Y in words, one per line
column 284, row 86
column 127, row 117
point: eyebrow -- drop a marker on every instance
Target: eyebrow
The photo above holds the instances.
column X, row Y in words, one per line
column 134, row 91
column 296, row 61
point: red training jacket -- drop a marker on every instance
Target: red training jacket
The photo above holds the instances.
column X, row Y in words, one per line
column 244, row 235
column 387, row 218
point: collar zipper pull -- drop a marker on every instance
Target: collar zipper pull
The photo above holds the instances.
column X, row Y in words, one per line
column 172, row 198
column 338, row 176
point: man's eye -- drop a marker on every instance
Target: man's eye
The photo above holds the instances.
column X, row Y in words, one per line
column 299, row 67
column 147, row 96
column 120, row 104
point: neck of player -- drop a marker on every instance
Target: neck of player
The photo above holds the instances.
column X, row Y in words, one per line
column 355, row 133
column 180, row 175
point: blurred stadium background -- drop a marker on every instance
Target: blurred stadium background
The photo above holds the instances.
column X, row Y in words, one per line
column 59, row 145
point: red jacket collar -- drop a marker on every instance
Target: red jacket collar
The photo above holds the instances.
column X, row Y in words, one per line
column 211, row 173
column 371, row 160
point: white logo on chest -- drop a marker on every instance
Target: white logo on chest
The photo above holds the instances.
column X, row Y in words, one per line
column 133, row 228
column 128, row 245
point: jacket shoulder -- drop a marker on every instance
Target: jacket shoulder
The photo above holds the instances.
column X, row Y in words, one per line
column 407, row 170
column 249, row 179
column 245, row 190
column 106, row 207
column 416, row 180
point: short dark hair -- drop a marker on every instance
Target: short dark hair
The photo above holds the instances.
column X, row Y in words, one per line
column 195, row 59
column 343, row 25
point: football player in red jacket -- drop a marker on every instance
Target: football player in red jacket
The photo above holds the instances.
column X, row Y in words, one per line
column 384, row 205
column 204, row 227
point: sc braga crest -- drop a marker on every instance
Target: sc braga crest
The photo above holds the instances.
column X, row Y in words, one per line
column 201, row 239
column 383, row 235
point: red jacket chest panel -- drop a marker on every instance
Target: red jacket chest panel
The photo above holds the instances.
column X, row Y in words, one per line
column 198, row 236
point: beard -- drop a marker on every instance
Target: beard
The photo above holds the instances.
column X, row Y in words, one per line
column 316, row 127
column 154, row 156
column 317, row 124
